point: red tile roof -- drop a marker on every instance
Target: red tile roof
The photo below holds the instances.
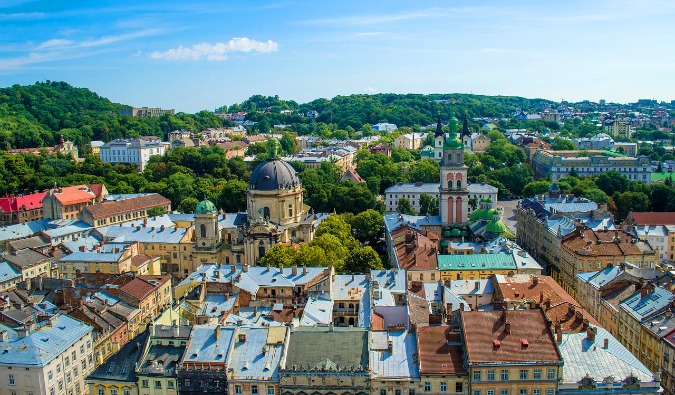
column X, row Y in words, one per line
column 530, row 288
column 108, row 209
column 589, row 242
column 415, row 251
column 651, row 218
column 482, row 328
column 571, row 317
column 74, row 194
column 440, row 350
column 12, row 204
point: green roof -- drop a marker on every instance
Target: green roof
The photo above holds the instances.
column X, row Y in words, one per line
column 321, row 347
column 206, row 207
column 497, row 227
column 453, row 143
column 489, row 214
column 500, row 261
column 477, row 214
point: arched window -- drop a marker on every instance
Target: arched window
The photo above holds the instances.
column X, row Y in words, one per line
column 227, row 260
column 459, row 184
column 202, row 230
column 261, row 249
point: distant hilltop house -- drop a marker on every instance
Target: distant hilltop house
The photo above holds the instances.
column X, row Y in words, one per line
column 232, row 116
column 381, row 127
column 616, row 127
column 137, row 151
column 65, row 147
column 144, row 112
column 523, row 116
column 411, row 141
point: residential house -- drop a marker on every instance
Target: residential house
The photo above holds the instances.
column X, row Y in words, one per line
column 150, row 294
column 393, row 362
column 441, row 360
column 156, row 370
column 31, row 263
column 203, row 367
column 510, row 352
column 17, row 209
column 117, row 374
column 67, row 202
column 53, row 356
column 133, row 208
column 410, row 141
column 340, row 366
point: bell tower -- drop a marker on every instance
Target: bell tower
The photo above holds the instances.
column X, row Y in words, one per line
column 454, row 198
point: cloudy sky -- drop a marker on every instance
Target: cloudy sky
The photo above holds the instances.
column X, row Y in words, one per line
column 194, row 55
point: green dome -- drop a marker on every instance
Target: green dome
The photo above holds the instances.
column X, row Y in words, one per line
column 496, row 227
column 477, row 214
column 453, row 144
column 206, row 207
column 455, row 232
column 489, row 214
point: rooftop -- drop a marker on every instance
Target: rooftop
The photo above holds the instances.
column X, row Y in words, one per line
column 440, row 350
column 143, row 202
column 499, row 261
column 399, row 363
column 259, row 355
column 341, row 349
column 210, row 344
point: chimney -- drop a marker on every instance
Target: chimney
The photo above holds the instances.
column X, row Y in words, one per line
column 162, row 228
column 281, row 269
column 264, row 350
column 217, row 332
column 558, row 333
column 507, row 328
column 390, row 346
column 535, row 280
column 233, row 268
column 82, row 248
column 547, row 303
column 138, row 227
column 590, row 333
column 294, row 270
column 571, row 309
column 541, row 297
column 255, row 310
column 145, row 223
column 304, row 269
column 242, row 338
column 4, row 336
column 23, row 331
column 476, row 285
column 605, row 343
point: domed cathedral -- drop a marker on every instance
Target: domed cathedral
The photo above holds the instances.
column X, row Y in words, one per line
column 454, row 202
column 275, row 209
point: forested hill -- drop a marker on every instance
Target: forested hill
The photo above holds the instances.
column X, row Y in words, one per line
column 35, row 115
column 402, row 110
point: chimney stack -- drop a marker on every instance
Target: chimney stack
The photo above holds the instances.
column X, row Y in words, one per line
column 590, row 333
column 605, row 343
column 294, row 270
column 507, row 328
column 217, row 332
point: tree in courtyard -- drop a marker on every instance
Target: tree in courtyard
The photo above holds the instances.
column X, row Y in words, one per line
column 404, row 207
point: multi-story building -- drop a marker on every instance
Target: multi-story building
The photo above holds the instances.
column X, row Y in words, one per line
column 9, row 276
column 254, row 360
column 600, row 141
column 30, row 262
column 110, row 331
column 112, row 258
column 156, row 369
column 596, row 362
column 53, row 357
column 510, row 352
column 174, row 246
column 588, row 250
column 440, row 359
column 67, row 202
column 414, row 251
column 383, row 127
column 656, row 237
column 413, row 191
column 340, row 366
column 410, row 141
column 630, row 149
column 637, row 310
column 347, row 293
column 558, row 164
column 130, row 209
column 668, row 363
column 117, row 374
column 136, row 151
column 393, row 362
column 64, row 147
column 203, row 367
column 18, row 209
column 481, row 266
column 616, row 127
column 143, row 112
column 151, row 294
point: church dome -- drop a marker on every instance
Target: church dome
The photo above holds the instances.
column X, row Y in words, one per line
column 206, row 207
column 477, row 214
column 496, row 227
column 273, row 174
column 453, row 144
column 489, row 214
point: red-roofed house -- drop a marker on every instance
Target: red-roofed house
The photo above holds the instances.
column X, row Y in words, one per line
column 441, row 361
column 17, row 209
column 650, row 218
column 150, row 294
column 67, row 202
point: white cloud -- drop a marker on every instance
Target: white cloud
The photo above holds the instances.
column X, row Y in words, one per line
column 217, row 51
column 54, row 43
column 369, row 90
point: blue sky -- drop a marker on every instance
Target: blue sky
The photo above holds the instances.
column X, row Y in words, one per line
column 193, row 55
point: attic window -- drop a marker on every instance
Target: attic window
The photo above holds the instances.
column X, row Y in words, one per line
column 524, row 342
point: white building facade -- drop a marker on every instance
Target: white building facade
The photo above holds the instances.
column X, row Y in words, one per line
column 136, row 151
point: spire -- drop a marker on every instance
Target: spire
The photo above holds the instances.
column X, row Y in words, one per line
column 439, row 128
column 465, row 128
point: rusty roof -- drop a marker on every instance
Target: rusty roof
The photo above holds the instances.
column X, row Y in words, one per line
column 528, row 287
column 589, row 242
column 440, row 350
column 651, row 218
column 145, row 202
column 415, row 251
column 529, row 339
column 571, row 317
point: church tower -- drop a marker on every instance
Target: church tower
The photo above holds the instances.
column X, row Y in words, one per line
column 465, row 136
column 454, row 197
column 439, row 140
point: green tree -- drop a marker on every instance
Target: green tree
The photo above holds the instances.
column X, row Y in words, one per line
column 279, row 256
column 404, row 207
column 232, row 198
column 536, row 188
column 426, row 170
column 311, row 255
column 156, row 211
column 362, row 260
column 368, row 226
column 188, row 205
column 336, row 226
column 611, row 182
column 562, row 145
column 334, row 248
column 428, row 204
column 631, row 201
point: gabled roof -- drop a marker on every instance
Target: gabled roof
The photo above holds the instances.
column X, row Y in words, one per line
column 107, row 209
column 45, row 343
column 487, row 340
column 12, row 204
column 25, row 258
column 641, row 305
column 259, row 356
column 341, row 348
column 74, row 194
column 209, row 344
column 651, row 218
column 440, row 350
